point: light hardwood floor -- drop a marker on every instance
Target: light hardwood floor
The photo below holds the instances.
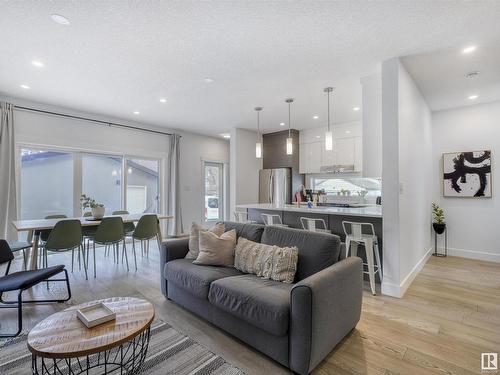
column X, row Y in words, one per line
column 448, row 317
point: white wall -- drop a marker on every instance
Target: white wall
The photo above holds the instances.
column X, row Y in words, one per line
column 473, row 224
column 244, row 168
column 406, row 176
column 371, row 87
column 43, row 129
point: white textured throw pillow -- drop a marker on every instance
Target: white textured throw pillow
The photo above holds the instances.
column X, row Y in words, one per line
column 216, row 250
column 267, row 261
column 194, row 238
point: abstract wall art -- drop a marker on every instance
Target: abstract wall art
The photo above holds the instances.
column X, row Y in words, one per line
column 467, row 174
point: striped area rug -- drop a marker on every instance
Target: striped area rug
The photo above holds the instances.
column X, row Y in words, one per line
column 170, row 352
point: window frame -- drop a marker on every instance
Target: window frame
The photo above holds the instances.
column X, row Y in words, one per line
column 78, row 176
column 222, row 179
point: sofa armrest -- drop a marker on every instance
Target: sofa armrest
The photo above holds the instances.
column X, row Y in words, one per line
column 324, row 308
column 170, row 250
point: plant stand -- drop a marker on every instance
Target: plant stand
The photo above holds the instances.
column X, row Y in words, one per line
column 436, row 253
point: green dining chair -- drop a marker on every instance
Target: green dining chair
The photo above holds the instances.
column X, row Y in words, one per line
column 44, row 234
column 20, row 246
column 88, row 232
column 146, row 229
column 129, row 227
column 110, row 232
column 65, row 236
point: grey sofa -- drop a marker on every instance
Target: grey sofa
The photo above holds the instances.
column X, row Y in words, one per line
column 295, row 324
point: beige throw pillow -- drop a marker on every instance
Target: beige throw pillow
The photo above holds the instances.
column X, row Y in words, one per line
column 215, row 250
column 266, row 261
column 194, row 238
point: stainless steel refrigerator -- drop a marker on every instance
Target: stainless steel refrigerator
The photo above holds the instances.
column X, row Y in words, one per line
column 275, row 186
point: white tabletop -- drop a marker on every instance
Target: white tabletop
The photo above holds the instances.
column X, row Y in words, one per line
column 366, row 211
column 39, row 224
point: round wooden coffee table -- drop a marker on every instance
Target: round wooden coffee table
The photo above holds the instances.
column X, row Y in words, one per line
column 62, row 344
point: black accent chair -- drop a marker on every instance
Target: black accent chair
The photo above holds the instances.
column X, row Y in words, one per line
column 22, row 281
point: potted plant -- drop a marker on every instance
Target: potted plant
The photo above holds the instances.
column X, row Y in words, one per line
column 97, row 208
column 438, row 222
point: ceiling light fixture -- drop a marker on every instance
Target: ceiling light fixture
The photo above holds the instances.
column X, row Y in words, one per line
column 258, row 144
column 61, row 20
column 328, row 134
column 282, row 124
column 37, row 63
column 315, row 117
column 356, row 109
column 208, row 80
column 26, row 87
column 163, row 100
column 472, row 97
column 469, row 49
column 137, row 113
column 289, row 141
column 226, row 135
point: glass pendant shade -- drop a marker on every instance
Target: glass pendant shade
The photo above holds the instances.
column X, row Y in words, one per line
column 328, row 141
column 289, row 146
column 258, row 150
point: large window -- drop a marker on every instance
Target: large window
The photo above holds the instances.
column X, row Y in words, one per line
column 351, row 186
column 52, row 182
column 143, row 185
column 47, row 183
column 214, row 187
column 102, row 180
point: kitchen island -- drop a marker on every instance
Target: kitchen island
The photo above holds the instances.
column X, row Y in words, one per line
column 333, row 216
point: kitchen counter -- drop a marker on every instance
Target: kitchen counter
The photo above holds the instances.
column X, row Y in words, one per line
column 373, row 211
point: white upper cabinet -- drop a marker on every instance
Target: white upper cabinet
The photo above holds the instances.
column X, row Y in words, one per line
column 347, row 148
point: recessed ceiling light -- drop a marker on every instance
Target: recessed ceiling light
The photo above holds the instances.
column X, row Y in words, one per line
column 318, row 136
column 356, row 109
column 472, row 97
column 59, row 19
column 348, row 132
column 282, row 124
column 163, row 100
column 315, row 117
column 469, row 49
column 226, row 135
column 137, row 113
column 208, row 80
column 26, row 87
column 37, row 63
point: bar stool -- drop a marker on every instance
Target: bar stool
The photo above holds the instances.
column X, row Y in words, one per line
column 314, row 225
column 273, row 220
column 355, row 236
column 242, row 217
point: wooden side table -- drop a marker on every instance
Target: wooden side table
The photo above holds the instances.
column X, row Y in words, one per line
column 62, row 344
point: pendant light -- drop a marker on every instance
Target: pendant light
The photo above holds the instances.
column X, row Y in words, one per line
column 328, row 134
column 258, row 144
column 289, row 141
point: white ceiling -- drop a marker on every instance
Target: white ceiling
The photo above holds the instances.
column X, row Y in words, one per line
column 441, row 76
column 119, row 56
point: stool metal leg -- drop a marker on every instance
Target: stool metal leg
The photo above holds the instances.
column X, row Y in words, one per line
column 377, row 259
column 369, row 260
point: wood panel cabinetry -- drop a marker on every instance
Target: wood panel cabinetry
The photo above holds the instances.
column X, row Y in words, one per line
column 347, row 148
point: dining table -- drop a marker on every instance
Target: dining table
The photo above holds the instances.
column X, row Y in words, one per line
column 36, row 226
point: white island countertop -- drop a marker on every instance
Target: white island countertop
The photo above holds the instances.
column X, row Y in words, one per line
column 366, row 211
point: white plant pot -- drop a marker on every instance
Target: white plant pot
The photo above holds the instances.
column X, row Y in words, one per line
column 98, row 212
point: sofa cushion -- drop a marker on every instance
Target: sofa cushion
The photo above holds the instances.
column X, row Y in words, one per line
column 193, row 278
column 262, row 303
column 316, row 250
column 252, row 232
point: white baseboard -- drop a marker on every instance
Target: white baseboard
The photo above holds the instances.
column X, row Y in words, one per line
column 398, row 291
column 473, row 254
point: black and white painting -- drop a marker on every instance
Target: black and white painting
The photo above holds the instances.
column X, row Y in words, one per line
column 467, row 174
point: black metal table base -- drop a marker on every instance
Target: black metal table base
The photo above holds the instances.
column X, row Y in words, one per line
column 435, row 253
column 124, row 359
